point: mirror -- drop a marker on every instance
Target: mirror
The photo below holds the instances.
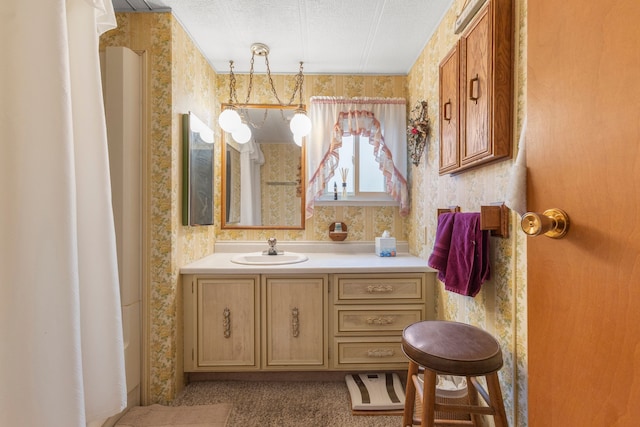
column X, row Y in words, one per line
column 263, row 180
column 197, row 170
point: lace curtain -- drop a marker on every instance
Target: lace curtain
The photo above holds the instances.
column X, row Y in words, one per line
column 382, row 120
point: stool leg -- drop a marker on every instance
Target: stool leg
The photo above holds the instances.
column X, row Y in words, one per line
column 429, row 399
column 495, row 394
column 472, row 393
column 410, row 395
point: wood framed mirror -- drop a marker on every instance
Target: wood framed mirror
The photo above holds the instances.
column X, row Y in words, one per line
column 263, row 180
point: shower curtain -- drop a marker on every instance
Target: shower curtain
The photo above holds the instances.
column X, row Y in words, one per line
column 61, row 348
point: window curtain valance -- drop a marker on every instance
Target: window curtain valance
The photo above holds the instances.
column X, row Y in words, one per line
column 382, row 120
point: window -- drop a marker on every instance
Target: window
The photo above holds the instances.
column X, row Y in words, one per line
column 363, row 177
column 377, row 124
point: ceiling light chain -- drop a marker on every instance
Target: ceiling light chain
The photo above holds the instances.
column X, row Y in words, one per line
column 300, row 124
column 232, row 85
column 231, row 121
column 250, row 88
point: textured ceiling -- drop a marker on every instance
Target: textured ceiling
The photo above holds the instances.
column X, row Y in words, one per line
column 329, row 36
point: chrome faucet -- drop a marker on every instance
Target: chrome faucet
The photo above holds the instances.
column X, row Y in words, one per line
column 272, row 246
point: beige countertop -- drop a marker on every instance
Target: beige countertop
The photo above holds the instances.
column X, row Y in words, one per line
column 322, row 258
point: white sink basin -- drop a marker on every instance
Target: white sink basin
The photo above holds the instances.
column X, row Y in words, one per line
column 258, row 258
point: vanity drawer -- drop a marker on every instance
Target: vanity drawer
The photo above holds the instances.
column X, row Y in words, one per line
column 375, row 319
column 384, row 289
column 369, row 353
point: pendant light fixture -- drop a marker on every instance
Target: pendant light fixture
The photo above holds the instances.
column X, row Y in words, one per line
column 232, row 119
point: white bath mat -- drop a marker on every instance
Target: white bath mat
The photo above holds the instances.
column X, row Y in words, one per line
column 375, row 392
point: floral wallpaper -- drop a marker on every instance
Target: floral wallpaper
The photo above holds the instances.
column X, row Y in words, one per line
column 363, row 222
column 500, row 307
column 179, row 80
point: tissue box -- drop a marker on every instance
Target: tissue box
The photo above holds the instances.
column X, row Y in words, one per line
column 386, row 246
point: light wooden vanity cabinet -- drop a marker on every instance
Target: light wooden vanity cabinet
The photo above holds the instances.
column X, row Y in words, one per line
column 295, row 325
column 241, row 323
column 480, row 130
column 369, row 313
column 304, row 322
column 222, row 329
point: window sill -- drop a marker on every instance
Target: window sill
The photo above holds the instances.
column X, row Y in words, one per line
column 356, row 202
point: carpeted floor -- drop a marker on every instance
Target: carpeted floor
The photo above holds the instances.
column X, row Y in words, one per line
column 283, row 404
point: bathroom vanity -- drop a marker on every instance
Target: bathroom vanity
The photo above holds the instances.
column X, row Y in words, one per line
column 343, row 309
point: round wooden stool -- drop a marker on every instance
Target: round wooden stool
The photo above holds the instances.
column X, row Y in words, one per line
column 452, row 348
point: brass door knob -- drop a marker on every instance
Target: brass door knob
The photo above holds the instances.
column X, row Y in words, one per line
column 552, row 223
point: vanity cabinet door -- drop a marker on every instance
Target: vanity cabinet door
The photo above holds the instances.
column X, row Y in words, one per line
column 295, row 322
column 221, row 323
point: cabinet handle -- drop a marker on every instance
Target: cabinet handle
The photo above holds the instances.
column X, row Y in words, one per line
column 474, row 89
column 380, row 352
column 447, row 110
column 226, row 322
column 295, row 322
column 372, row 289
column 380, row 320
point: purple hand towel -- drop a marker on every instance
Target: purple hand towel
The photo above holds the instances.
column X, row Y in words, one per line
column 468, row 260
column 440, row 254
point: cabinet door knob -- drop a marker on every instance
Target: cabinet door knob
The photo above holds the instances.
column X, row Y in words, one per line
column 552, row 223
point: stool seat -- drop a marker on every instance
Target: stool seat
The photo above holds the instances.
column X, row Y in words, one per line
column 452, row 348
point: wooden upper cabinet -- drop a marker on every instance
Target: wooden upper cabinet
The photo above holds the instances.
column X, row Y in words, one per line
column 449, row 112
column 485, row 88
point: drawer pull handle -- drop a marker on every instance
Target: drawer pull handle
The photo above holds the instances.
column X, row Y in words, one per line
column 474, row 89
column 380, row 320
column 372, row 289
column 380, row 352
column 226, row 322
column 447, row 110
column 295, row 322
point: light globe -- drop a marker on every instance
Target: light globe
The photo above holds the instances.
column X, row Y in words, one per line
column 300, row 124
column 242, row 134
column 229, row 120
